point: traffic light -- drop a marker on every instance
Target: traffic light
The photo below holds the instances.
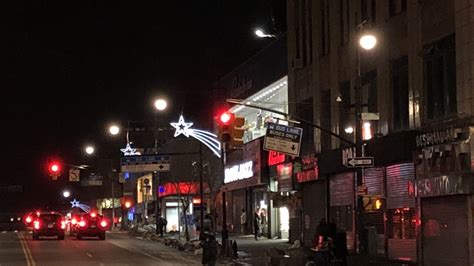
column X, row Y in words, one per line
column 237, row 132
column 55, row 169
column 373, row 203
column 224, row 122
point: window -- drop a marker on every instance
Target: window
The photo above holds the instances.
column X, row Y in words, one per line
column 368, row 10
column 305, row 111
column 401, row 223
column 397, row 7
column 325, row 27
column 325, row 119
column 440, row 79
column 345, row 115
column 344, row 21
column 369, row 91
column 399, row 82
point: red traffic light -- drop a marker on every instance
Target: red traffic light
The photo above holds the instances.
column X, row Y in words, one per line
column 54, row 169
column 224, row 118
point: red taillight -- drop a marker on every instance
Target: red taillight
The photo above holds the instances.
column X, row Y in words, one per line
column 93, row 214
column 37, row 224
column 103, row 223
column 28, row 219
column 63, row 224
column 82, row 223
column 74, row 221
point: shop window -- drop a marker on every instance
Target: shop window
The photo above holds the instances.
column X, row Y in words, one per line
column 343, row 217
column 401, row 223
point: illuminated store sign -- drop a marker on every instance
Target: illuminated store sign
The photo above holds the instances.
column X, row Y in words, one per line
column 238, row 172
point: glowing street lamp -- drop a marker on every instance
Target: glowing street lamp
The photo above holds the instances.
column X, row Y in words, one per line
column 161, row 104
column 367, row 41
column 261, row 34
column 66, row 193
column 349, row 130
column 89, row 150
column 114, row 130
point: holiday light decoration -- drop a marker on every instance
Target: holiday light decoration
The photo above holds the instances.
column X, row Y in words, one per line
column 77, row 204
column 129, row 151
column 207, row 138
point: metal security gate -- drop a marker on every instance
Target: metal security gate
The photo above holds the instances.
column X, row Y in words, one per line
column 375, row 182
column 341, row 200
column 445, row 230
column 401, row 213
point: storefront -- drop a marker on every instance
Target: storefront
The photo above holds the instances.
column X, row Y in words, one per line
column 245, row 188
column 444, row 170
column 176, row 197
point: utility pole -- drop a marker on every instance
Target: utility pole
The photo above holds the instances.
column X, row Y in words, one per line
column 201, row 194
column 225, row 233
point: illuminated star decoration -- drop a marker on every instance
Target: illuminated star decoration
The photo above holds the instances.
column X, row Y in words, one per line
column 77, row 204
column 182, row 127
column 207, row 138
column 129, row 151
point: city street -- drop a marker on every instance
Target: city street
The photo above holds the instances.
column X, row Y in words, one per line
column 118, row 249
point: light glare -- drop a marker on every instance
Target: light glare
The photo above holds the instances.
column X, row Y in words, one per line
column 368, row 41
column 161, row 104
column 114, row 130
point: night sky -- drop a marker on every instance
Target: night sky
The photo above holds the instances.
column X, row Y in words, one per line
column 70, row 67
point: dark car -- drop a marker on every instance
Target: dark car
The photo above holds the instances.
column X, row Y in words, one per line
column 92, row 225
column 49, row 224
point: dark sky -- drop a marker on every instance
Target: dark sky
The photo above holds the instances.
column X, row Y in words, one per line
column 69, row 67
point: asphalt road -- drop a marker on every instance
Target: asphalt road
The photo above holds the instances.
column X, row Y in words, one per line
column 118, row 249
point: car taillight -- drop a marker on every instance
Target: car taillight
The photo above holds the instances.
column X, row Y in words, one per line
column 93, row 214
column 28, row 219
column 74, row 221
column 63, row 224
column 37, row 224
column 82, row 223
column 103, row 223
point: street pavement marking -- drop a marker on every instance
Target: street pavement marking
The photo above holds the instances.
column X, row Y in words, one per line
column 29, row 258
column 89, row 255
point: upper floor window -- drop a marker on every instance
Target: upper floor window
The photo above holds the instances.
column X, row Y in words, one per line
column 440, row 79
column 397, row 7
column 399, row 84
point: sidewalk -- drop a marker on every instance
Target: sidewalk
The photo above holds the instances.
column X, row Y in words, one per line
column 251, row 252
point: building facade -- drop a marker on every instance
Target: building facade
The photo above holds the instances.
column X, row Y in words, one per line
column 418, row 81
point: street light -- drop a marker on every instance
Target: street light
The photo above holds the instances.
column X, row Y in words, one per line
column 161, row 104
column 66, row 193
column 367, row 41
column 89, row 150
column 261, row 34
column 114, row 130
column 349, row 130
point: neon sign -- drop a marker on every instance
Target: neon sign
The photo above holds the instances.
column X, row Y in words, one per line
column 238, row 172
column 275, row 158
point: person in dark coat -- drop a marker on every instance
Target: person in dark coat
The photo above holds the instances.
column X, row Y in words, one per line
column 209, row 250
column 256, row 224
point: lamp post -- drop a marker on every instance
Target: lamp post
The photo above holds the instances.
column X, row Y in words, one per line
column 160, row 105
column 114, row 130
column 367, row 42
